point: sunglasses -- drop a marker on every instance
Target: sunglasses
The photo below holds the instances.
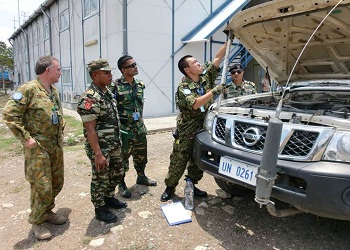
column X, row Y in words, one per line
column 236, row 71
column 133, row 65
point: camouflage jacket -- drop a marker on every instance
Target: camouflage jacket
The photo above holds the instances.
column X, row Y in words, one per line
column 246, row 88
column 130, row 101
column 94, row 104
column 189, row 121
column 29, row 113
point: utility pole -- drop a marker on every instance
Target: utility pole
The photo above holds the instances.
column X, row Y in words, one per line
column 19, row 16
column 14, row 22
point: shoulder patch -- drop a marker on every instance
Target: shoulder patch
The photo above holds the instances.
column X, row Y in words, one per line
column 187, row 91
column 17, row 96
column 88, row 102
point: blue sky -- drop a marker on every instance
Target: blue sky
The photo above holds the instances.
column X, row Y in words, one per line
column 9, row 12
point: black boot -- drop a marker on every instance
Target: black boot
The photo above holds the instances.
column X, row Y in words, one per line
column 199, row 193
column 168, row 192
column 123, row 189
column 102, row 213
column 115, row 203
column 142, row 179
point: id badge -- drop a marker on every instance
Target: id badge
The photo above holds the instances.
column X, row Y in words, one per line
column 202, row 109
column 136, row 116
column 54, row 118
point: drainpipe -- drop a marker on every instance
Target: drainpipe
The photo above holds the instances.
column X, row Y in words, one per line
column 27, row 38
column 172, row 56
column 99, row 27
column 50, row 30
column 125, row 27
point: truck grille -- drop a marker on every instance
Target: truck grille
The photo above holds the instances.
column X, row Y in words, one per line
column 220, row 128
column 296, row 143
column 300, row 143
column 240, row 127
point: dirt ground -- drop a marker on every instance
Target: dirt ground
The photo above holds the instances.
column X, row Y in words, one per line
column 233, row 223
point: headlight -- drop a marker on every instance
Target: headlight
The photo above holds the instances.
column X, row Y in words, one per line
column 208, row 121
column 338, row 148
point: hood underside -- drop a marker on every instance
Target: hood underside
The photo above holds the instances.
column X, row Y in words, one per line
column 276, row 32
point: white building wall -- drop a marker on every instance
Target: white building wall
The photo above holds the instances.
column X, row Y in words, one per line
column 153, row 40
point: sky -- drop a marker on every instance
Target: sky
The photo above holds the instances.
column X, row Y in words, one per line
column 9, row 13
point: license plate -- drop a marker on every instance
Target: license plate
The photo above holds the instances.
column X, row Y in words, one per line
column 238, row 170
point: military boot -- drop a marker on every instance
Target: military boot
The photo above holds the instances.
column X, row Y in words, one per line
column 168, row 192
column 142, row 179
column 123, row 189
column 55, row 219
column 199, row 193
column 103, row 214
column 41, row 232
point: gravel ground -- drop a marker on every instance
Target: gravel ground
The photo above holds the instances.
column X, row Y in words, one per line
column 217, row 223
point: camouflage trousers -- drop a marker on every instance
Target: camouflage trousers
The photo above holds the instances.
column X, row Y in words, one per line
column 44, row 170
column 104, row 182
column 180, row 158
column 135, row 145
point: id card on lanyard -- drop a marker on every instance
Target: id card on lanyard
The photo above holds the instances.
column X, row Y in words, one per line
column 200, row 91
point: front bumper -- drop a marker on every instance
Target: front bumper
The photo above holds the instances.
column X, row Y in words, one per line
column 324, row 188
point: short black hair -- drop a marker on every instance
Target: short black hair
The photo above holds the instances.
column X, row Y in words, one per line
column 183, row 64
column 43, row 63
column 122, row 61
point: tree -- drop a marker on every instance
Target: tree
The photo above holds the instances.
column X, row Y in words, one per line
column 6, row 56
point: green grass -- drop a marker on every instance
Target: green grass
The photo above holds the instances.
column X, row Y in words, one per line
column 73, row 125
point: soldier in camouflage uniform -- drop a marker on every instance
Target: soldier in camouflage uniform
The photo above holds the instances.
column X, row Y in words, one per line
column 98, row 110
column 129, row 94
column 193, row 97
column 238, row 86
column 34, row 115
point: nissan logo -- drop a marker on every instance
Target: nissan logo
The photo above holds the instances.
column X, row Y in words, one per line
column 251, row 136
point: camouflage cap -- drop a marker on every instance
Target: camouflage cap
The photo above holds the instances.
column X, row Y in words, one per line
column 236, row 66
column 99, row 64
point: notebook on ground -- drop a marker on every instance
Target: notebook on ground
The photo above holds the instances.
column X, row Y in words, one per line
column 175, row 213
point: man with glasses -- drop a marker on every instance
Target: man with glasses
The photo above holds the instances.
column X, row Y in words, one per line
column 129, row 93
column 238, row 86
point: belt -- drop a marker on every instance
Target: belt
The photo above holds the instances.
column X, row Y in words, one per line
column 127, row 120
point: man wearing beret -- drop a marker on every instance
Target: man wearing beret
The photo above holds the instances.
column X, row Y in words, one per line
column 98, row 110
column 238, row 86
column 34, row 115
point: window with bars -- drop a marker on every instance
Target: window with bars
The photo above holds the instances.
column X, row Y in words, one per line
column 90, row 7
column 66, row 76
column 46, row 31
column 35, row 37
column 64, row 20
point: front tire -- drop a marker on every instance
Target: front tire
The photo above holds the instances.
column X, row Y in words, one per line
column 233, row 189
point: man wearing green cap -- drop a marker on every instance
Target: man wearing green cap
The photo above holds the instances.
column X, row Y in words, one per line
column 98, row 110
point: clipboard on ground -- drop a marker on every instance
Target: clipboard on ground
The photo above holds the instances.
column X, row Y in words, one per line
column 175, row 213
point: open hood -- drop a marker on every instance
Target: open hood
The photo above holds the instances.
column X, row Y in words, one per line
column 276, row 32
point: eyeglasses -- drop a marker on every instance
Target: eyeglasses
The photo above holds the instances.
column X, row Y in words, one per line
column 133, row 65
column 236, row 71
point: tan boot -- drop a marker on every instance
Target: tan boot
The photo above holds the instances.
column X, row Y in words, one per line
column 41, row 232
column 56, row 219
